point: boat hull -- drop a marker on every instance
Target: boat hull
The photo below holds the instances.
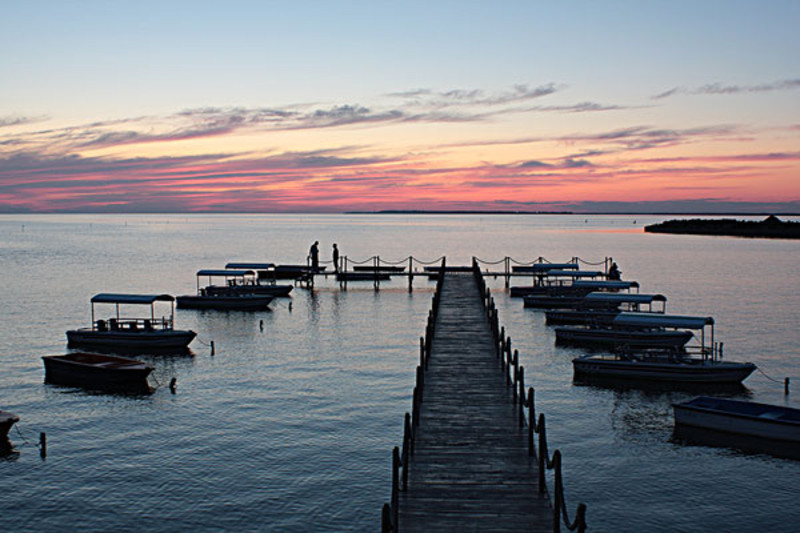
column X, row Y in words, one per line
column 752, row 419
column 622, row 338
column 262, row 290
column 576, row 317
column 128, row 340
column 96, row 371
column 242, row 302
column 662, row 372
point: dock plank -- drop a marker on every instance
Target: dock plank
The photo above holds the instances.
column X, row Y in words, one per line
column 470, row 470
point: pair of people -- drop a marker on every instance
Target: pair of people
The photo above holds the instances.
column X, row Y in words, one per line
column 313, row 254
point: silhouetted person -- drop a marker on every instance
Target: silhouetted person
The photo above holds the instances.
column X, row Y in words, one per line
column 335, row 258
column 614, row 272
column 313, row 253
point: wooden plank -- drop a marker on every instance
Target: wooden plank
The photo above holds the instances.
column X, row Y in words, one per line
column 470, row 470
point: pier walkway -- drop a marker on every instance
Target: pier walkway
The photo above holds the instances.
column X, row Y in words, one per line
column 470, row 469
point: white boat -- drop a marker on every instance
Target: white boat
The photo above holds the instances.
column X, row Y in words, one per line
column 138, row 333
column 765, row 421
column 225, row 297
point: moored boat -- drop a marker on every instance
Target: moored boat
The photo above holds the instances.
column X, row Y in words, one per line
column 558, row 282
column 765, row 421
column 264, row 282
column 225, row 297
column 638, row 330
column 600, row 308
column 120, row 333
column 95, row 370
column 6, row 421
column 662, row 367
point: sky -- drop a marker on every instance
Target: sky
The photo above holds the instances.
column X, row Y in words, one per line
column 333, row 106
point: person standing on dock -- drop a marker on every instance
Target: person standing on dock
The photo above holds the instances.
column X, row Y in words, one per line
column 313, row 253
column 335, row 258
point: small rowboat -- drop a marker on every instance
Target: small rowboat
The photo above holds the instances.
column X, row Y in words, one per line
column 775, row 422
column 96, row 371
column 6, row 421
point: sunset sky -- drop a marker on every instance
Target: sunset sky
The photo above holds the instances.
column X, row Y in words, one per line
column 330, row 106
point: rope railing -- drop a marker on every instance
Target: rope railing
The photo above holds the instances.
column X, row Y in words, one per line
column 400, row 456
column 515, row 378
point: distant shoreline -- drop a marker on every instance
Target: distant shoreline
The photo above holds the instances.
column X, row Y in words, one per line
column 603, row 213
column 771, row 228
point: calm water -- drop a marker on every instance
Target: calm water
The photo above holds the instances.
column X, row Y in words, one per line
column 290, row 428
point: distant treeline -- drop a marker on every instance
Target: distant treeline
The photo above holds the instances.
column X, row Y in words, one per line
column 770, row 227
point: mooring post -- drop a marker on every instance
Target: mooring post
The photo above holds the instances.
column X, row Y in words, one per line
column 213, row 351
column 410, row 273
column 43, row 445
column 173, row 385
column 508, row 271
column 786, row 386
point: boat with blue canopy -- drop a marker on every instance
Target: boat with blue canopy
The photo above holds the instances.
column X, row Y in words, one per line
column 122, row 332
column 555, row 281
column 572, row 296
column 639, row 330
column 264, row 283
column 600, row 308
column 232, row 295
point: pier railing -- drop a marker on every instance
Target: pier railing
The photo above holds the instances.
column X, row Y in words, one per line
column 515, row 378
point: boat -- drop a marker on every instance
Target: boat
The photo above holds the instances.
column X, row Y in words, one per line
column 539, row 268
column 555, row 281
column 776, row 422
column 6, row 421
column 226, row 297
column 374, row 275
column 665, row 366
column 639, row 330
column 295, row 272
column 600, row 308
column 119, row 333
column 264, row 282
column 95, row 370
column 571, row 296
column 383, row 269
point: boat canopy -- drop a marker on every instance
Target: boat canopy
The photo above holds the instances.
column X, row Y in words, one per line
column 573, row 273
column 648, row 320
column 624, row 297
column 251, row 266
column 592, row 284
column 226, row 273
column 108, row 298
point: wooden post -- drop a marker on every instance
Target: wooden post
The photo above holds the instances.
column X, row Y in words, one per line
column 786, row 386
column 43, row 445
column 410, row 274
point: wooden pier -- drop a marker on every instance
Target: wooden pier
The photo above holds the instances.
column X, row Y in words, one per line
column 468, row 461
